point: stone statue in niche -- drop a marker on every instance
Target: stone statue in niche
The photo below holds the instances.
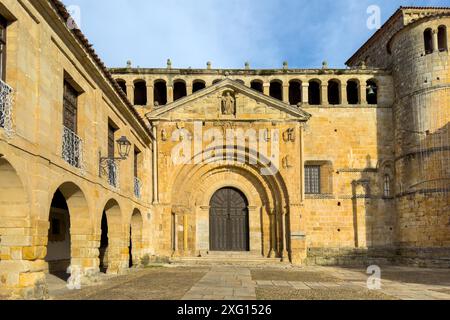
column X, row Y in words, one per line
column 228, row 104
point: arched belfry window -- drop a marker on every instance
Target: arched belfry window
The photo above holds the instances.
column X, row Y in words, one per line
column 314, row 92
column 198, row 85
column 372, row 92
column 353, row 92
column 276, row 90
column 442, row 38
column 257, row 85
column 122, row 84
column 179, row 90
column 140, row 93
column 428, row 40
column 160, row 93
column 295, row 92
column 334, row 92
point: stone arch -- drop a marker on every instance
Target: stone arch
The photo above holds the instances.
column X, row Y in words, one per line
column 140, row 92
column 122, row 84
column 113, row 247
column 14, row 229
column 272, row 192
column 136, row 238
column 428, row 40
column 372, row 91
column 295, row 92
column 276, row 89
column 334, row 92
column 72, row 245
column 257, row 85
column 160, row 92
column 198, row 85
column 315, row 92
column 442, row 38
column 353, row 95
column 179, row 89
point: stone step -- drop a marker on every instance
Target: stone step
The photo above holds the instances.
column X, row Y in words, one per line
column 227, row 261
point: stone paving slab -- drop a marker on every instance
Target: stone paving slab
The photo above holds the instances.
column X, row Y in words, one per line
column 224, row 284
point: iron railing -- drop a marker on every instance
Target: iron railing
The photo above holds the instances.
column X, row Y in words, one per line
column 6, row 108
column 72, row 148
column 112, row 168
column 137, row 187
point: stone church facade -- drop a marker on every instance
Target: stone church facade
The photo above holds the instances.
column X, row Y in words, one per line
column 105, row 169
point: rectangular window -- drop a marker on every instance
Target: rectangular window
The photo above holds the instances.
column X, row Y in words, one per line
column 136, row 155
column 70, row 111
column 3, row 25
column 111, row 141
column 312, row 180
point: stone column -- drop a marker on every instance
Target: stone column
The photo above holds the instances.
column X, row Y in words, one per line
column 185, row 233
column 435, row 41
column 286, row 93
column 169, row 93
column 266, row 87
column 305, row 92
column 130, row 92
column 155, row 164
column 324, row 94
column 255, row 229
column 344, row 99
column 273, row 234
column 363, row 93
column 284, row 252
column 176, row 251
column 189, row 89
column 150, row 95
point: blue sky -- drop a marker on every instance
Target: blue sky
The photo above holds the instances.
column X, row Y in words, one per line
column 230, row 32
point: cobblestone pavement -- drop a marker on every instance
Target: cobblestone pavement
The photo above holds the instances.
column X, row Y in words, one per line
column 269, row 283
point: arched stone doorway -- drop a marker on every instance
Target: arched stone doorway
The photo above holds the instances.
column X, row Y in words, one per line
column 113, row 240
column 229, row 221
column 59, row 242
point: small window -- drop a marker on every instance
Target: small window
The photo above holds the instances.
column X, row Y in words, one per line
column 428, row 41
column 312, row 180
column 3, row 25
column 387, row 186
column 442, row 38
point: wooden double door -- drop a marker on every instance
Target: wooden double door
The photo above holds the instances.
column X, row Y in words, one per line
column 229, row 221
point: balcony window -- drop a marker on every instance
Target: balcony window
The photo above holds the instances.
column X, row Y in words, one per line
column 72, row 144
column 6, row 107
